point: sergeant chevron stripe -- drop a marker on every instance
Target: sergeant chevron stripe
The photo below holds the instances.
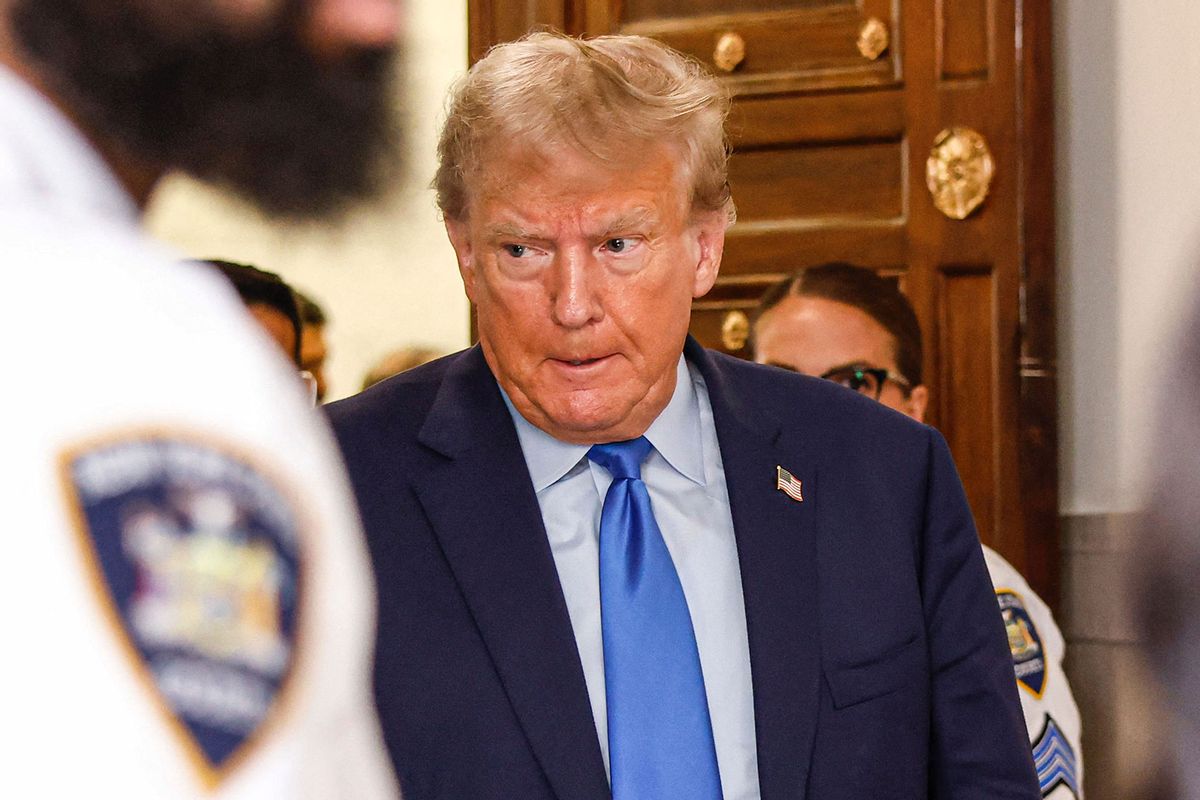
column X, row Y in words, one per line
column 1055, row 760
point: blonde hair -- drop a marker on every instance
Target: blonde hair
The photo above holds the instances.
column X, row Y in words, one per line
column 596, row 96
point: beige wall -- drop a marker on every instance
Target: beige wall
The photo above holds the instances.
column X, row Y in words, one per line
column 1128, row 172
column 1128, row 155
column 1159, row 211
column 387, row 277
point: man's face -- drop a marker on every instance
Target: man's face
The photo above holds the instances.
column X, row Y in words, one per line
column 583, row 276
column 283, row 100
column 815, row 336
column 313, row 352
column 331, row 26
column 277, row 325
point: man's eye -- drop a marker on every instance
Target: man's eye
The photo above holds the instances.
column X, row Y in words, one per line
column 516, row 250
column 617, row 245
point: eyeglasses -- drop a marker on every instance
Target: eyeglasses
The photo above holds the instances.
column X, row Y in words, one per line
column 866, row 380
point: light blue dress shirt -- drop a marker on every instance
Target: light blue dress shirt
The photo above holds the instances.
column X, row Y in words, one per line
column 686, row 480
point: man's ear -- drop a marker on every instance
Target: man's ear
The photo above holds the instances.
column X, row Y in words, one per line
column 709, row 227
column 460, row 239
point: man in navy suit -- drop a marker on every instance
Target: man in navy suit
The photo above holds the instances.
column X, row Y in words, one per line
column 611, row 563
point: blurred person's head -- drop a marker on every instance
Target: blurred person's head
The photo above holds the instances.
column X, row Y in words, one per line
column 399, row 360
column 285, row 101
column 269, row 300
column 314, row 349
column 1165, row 598
column 583, row 185
column 850, row 325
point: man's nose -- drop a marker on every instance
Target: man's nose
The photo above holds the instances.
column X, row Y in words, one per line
column 574, row 288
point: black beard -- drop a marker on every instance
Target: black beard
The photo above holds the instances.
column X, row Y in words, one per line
column 256, row 113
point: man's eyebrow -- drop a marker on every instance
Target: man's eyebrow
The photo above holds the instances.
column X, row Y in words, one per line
column 632, row 219
column 509, row 230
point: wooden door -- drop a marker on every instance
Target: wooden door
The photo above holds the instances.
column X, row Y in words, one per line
column 838, row 104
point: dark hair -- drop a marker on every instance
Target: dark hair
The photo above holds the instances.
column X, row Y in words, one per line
column 259, row 287
column 877, row 297
column 310, row 312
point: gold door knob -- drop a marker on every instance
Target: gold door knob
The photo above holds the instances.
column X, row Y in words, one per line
column 959, row 171
column 729, row 52
column 873, row 39
column 735, row 330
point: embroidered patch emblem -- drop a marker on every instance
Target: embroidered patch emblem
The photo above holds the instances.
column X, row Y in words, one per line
column 1029, row 658
column 199, row 557
column 1055, row 760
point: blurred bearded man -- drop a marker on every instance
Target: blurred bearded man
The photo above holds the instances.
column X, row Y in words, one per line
column 187, row 605
column 612, row 564
column 281, row 100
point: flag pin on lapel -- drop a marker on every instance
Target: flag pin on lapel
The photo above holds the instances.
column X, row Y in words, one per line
column 788, row 483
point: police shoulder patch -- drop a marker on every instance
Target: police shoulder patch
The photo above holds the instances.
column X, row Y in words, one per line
column 197, row 555
column 1055, row 759
column 1028, row 654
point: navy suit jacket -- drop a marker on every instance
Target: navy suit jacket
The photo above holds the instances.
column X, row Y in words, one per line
column 879, row 661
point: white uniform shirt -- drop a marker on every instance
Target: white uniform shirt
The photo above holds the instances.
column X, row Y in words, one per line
column 1051, row 716
column 685, row 477
column 159, row 470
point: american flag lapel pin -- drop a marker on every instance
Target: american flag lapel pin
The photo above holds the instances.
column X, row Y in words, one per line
column 788, row 483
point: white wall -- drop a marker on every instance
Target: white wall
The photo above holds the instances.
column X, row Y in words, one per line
column 387, row 277
column 1128, row 129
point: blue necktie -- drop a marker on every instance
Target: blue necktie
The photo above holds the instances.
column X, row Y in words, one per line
column 660, row 739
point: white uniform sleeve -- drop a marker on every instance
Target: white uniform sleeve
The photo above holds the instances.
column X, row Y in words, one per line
column 1051, row 716
column 188, row 600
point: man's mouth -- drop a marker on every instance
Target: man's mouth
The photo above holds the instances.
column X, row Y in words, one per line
column 582, row 363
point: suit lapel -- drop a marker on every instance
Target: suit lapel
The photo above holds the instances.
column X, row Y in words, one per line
column 482, row 506
column 776, row 541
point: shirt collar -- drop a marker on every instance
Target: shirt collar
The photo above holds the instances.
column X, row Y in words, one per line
column 675, row 434
column 50, row 159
